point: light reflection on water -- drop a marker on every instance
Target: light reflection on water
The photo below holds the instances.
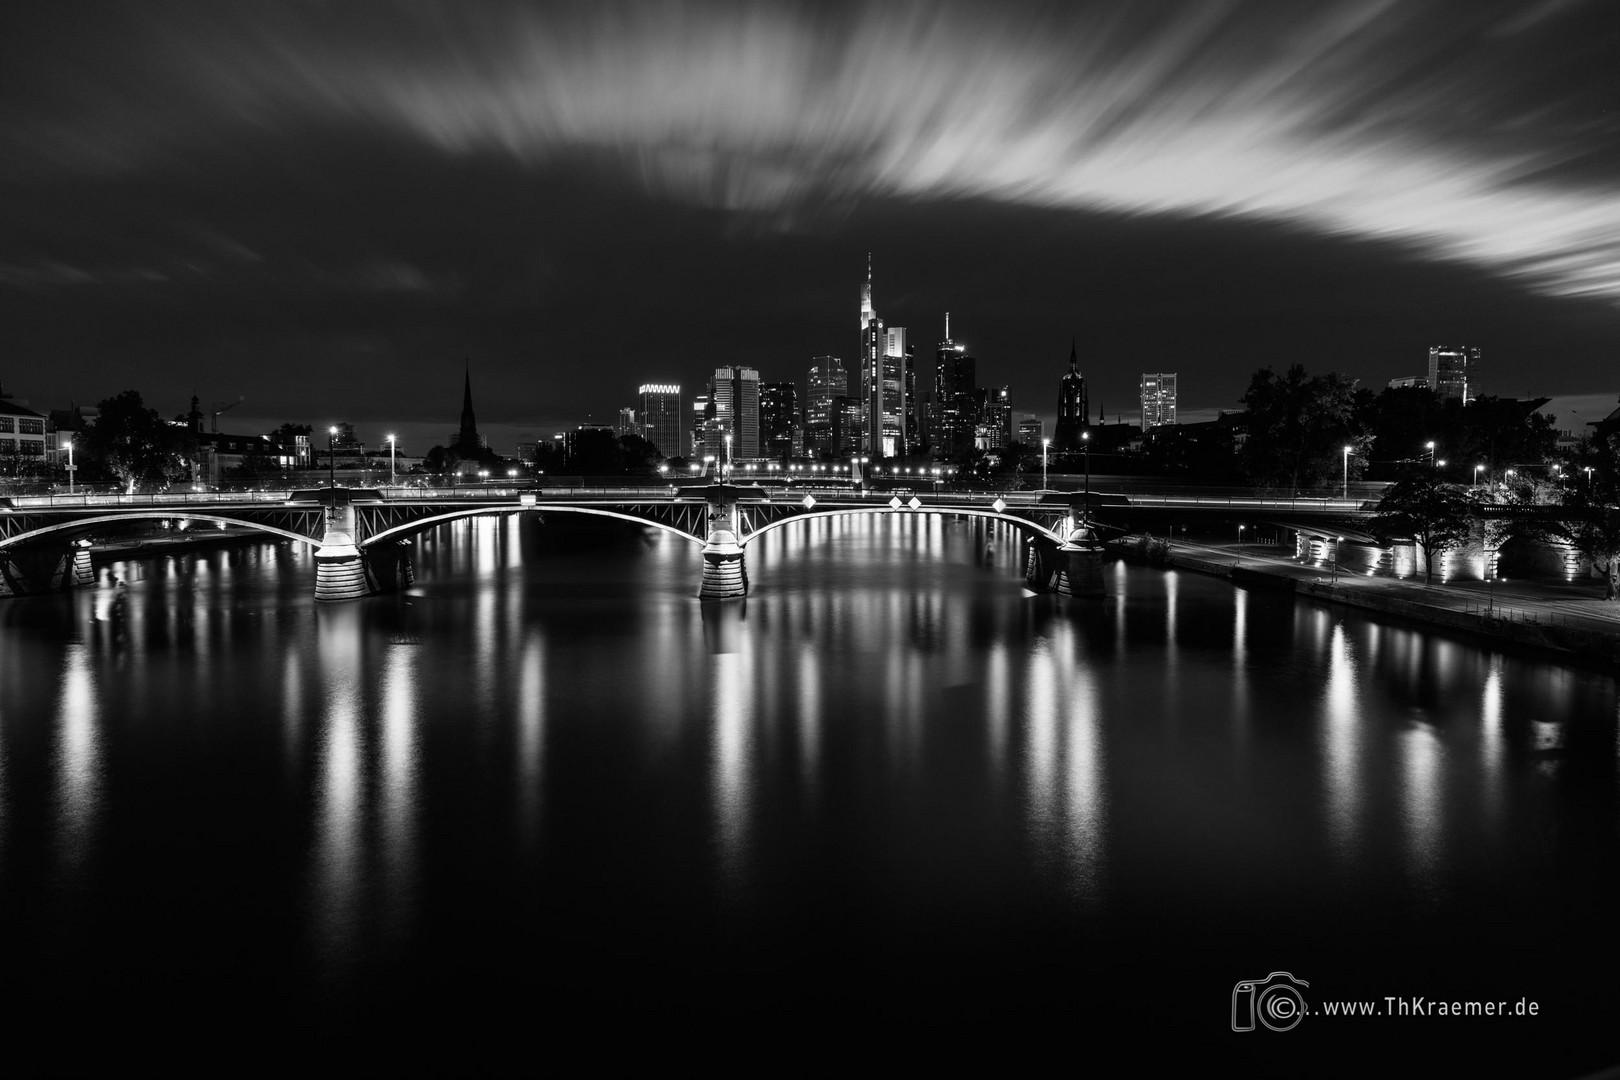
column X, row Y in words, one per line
column 550, row 742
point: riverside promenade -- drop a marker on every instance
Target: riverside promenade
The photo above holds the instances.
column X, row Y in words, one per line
column 1572, row 619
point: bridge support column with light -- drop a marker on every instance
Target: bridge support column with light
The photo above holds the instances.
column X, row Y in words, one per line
column 1044, row 566
column 1081, row 556
column 725, row 575
column 340, row 571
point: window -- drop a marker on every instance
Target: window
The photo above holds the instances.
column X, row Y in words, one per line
column 8, row 447
column 31, row 426
column 7, row 424
column 30, row 448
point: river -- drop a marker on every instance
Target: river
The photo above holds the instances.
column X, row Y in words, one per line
column 890, row 806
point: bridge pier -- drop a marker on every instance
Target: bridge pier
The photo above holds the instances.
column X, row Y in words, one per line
column 388, row 567
column 1081, row 556
column 1044, row 565
column 340, row 572
column 725, row 574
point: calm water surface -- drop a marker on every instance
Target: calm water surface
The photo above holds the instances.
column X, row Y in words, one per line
column 890, row 802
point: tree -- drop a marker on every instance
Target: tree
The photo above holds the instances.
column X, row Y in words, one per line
column 1437, row 515
column 1298, row 426
column 135, row 445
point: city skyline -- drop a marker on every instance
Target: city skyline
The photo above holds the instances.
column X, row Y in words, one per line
column 326, row 218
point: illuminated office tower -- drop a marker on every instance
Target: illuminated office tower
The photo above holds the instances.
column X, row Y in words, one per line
column 874, row 345
column 1158, row 399
column 735, row 393
column 778, row 414
column 1454, row 372
column 827, row 382
column 955, row 397
column 661, row 417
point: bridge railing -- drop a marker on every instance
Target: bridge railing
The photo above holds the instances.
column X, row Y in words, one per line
column 188, row 498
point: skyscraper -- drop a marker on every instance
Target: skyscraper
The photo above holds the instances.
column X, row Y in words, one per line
column 1454, row 372
column 661, row 417
column 778, row 412
column 736, row 410
column 827, row 381
column 1158, row 399
column 873, row 347
column 1074, row 405
column 955, row 397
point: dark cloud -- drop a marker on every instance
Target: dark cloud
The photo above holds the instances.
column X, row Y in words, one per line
column 327, row 208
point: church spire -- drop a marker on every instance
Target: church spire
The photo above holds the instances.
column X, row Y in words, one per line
column 1074, row 358
column 467, row 438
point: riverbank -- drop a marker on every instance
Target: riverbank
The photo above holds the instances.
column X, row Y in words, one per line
column 1568, row 620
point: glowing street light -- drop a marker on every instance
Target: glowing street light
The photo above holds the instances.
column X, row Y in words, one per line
column 1337, row 540
column 71, row 468
column 1046, row 444
column 331, row 454
column 1430, row 447
column 1346, row 492
column 1477, row 470
column 1085, row 437
column 391, row 442
column 1240, row 534
column 1588, row 472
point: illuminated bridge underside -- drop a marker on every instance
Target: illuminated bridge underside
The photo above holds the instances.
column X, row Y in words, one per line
column 303, row 525
column 1023, row 523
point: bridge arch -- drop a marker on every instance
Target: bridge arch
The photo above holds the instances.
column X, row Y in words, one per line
column 410, row 528
column 80, row 524
column 1022, row 523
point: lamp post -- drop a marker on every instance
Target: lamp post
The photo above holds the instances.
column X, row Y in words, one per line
column 1240, row 534
column 331, row 455
column 725, row 468
column 1046, row 445
column 1588, row 471
column 71, row 468
column 1345, row 494
column 1085, row 437
column 1337, row 540
column 1477, row 470
column 1430, row 447
column 391, row 472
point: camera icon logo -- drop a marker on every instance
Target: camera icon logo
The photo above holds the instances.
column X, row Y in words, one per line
column 1274, row 1001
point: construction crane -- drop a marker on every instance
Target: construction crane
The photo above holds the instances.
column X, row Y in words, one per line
column 213, row 417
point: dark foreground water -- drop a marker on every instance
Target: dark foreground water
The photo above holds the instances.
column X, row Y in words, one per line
column 892, row 808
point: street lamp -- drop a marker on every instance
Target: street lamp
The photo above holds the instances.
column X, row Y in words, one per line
column 331, row 454
column 1240, row 534
column 1346, row 492
column 1337, row 540
column 1430, row 446
column 1085, row 437
column 71, row 468
column 726, row 467
column 1045, row 446
column 391, row 442
column 1588, row 471
column 1477, row 470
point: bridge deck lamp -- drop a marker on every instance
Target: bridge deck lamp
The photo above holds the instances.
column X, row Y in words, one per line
column 391, row 471
column 1046, row 444
column 331, row 454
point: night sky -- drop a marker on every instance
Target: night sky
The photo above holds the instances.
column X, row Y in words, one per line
column 325, row 209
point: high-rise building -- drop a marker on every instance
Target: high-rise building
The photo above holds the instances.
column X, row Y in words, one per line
column 661, row 417
column 827, row 381
column 735, row 393
column 997, row 419
column 627, row 422
column 778, row 414
column 874, row 346
column 1454, row 372
column 1158, row 399
column 700, row 426
column 1031, row 430
column 1074, row 405
column 955, row 397
column 892, row 404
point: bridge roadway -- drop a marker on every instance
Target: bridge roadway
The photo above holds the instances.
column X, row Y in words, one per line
column 362, row 536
